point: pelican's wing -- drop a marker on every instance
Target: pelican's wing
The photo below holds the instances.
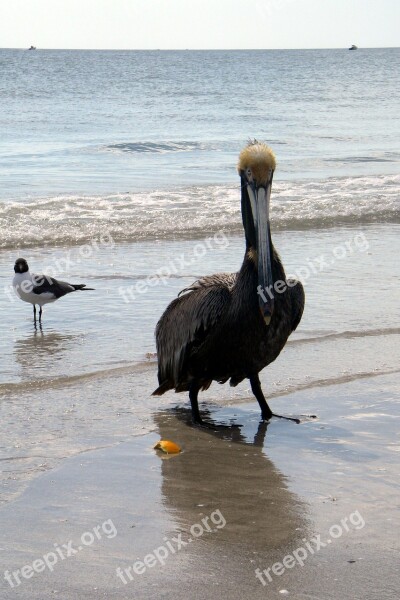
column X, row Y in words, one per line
column 186, row 323
column 225, row 279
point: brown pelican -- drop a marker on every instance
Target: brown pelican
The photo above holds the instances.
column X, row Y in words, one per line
column 232, row 325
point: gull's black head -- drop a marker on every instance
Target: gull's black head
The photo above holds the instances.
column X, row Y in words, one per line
column 21, row 266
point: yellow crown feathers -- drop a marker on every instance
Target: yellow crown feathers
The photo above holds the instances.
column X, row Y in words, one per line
column 260, row 159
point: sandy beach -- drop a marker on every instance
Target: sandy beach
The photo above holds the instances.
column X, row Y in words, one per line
column 248, row 498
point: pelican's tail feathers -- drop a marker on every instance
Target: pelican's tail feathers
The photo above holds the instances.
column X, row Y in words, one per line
column 164, row 387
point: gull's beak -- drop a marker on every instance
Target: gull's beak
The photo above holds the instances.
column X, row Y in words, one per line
column 259, row 196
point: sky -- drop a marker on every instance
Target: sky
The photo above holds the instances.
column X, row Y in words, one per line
column 199, row 24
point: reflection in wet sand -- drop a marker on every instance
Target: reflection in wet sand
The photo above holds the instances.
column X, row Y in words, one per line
column 37, row 352
column 223, row 470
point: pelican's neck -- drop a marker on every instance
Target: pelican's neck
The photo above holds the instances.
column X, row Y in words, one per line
column 250, row 256
column 247, row 279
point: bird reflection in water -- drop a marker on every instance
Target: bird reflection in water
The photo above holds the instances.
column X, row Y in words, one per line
column 223, row 469
column 39, row 351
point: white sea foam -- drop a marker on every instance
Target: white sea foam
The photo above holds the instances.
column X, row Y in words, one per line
column 195, row 211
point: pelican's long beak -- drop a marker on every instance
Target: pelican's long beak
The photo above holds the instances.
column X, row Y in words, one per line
column 256, row 168
column 259, row 196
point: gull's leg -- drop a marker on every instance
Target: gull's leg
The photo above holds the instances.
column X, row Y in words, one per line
column 40, row 314
column 34, row 312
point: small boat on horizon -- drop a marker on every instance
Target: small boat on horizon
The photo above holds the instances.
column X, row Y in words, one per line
column 32, row 48
column 353, row 47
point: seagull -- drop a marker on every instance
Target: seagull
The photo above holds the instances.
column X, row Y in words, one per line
column 40, row 289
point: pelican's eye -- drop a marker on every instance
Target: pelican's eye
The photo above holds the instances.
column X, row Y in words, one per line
column 249, row 174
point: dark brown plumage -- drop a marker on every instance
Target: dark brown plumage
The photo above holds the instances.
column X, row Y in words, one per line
column 216, row 329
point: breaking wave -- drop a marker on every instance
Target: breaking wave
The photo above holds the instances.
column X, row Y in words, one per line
column 195, row 211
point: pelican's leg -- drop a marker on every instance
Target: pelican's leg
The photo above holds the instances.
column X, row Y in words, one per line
column 193, row 393
column 266, row 412
column 196, row 418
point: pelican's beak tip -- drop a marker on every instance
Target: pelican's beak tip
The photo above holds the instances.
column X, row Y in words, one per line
column 266, row 314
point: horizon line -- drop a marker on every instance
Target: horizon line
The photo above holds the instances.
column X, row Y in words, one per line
column 197, row 49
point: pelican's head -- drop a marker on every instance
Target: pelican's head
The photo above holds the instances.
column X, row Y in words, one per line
column 256, row 168
column 258, row 162
column 21, row 266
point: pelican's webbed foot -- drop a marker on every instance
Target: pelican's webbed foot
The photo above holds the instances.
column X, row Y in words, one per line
column 266, row 412
column 294, row 419
column 287, row 418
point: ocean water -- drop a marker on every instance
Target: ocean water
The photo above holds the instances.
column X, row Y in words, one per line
column 118, row 169
column 145, row 143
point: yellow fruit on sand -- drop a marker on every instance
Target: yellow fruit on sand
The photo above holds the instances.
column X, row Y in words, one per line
column 167, row 447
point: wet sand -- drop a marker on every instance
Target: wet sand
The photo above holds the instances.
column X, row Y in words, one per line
column 264, row 492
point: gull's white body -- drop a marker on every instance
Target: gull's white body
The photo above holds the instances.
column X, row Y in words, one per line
column 24, row 282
